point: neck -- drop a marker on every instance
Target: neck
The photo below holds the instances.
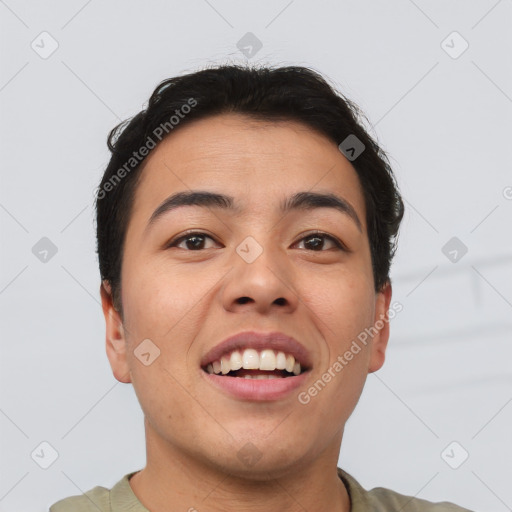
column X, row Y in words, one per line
column 172, row 476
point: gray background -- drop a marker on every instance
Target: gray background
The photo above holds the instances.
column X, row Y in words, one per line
column 446, row 122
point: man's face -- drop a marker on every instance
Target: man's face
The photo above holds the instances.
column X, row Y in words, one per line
column 258, row 269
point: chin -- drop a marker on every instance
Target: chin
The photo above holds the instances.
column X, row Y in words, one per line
column 260, row 468
column 257, row 458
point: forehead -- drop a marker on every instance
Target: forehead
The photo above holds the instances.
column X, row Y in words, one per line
column 257, row 162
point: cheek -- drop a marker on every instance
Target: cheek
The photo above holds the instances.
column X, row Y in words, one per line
column 343, row 312
column 345, row 302
column 344, row 308
column 155, row 300
column 167, row 307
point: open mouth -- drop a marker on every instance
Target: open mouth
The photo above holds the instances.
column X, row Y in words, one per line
column 254, row 364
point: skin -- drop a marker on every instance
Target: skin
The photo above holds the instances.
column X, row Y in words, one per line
column 187, row 300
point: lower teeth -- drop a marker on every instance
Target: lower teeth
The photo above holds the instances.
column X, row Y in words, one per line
column 238, row 373
column 271, row 376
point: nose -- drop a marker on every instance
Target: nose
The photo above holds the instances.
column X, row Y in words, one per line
column 260, row 281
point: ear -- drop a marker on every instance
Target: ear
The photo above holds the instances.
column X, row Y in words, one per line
column 116, row 343
column 381, row 326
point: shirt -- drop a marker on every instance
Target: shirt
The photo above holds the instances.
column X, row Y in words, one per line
column 121, row 498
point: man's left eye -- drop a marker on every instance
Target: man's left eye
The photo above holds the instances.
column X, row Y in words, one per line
column 318, row 241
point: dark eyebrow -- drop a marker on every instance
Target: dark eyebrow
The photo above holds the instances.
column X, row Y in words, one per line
column 299, row 201
column 312, row 200
column 194, row 198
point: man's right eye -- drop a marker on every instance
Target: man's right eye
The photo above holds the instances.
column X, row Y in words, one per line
column 194, row 241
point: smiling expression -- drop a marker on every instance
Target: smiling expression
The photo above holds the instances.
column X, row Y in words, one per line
column 241, row 225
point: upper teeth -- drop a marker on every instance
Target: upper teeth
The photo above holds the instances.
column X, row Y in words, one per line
column 251, row 359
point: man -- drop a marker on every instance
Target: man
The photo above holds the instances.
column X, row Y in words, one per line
column 246, row 224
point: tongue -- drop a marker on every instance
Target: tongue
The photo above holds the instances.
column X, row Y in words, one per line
column 242, row 373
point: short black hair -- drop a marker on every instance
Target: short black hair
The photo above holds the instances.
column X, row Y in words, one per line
column 264, row 93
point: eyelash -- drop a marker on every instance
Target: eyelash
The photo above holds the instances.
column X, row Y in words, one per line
column 319, row 234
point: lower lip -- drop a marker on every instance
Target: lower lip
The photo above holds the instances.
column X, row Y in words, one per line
column 256, row 389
